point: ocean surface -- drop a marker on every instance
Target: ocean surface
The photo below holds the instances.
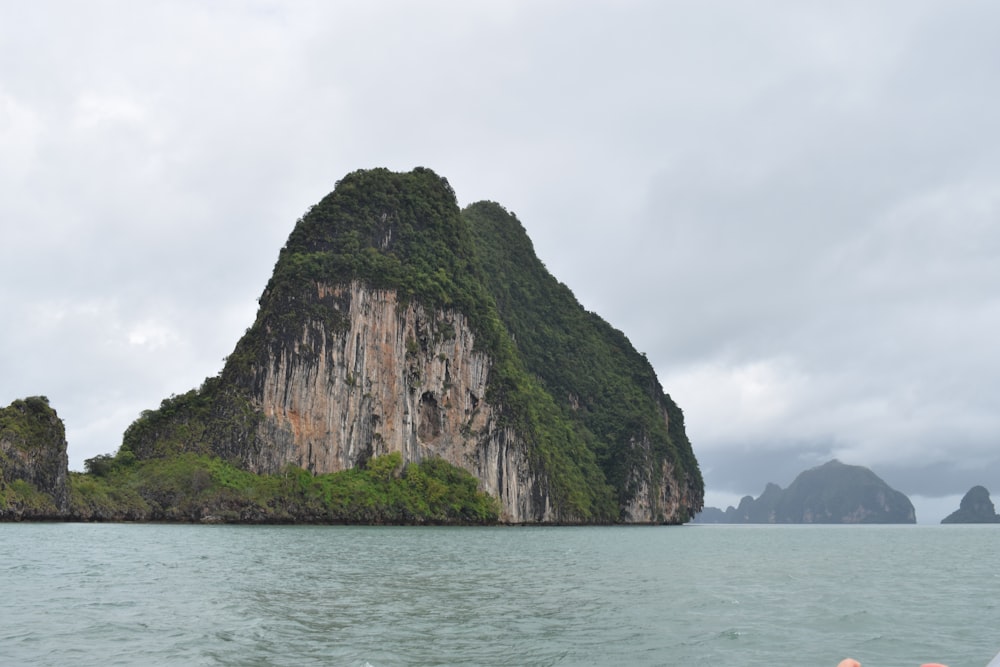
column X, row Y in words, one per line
column 746, row 596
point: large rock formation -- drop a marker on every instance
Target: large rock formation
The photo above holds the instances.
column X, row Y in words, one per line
column 830, row 493
column 33, row 461
column 976, row 507
column 396, row 378
column 394, row 322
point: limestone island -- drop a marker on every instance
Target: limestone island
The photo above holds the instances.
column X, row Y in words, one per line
column 411, row 362
column 831, row 493
column 976, row 507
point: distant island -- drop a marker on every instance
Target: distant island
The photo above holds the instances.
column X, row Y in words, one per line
column 411, row 362
column 976, row 507
column 831, row 493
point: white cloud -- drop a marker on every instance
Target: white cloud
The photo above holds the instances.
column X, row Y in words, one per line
column 93, row 110
column 151, row 335
column 726, row 403
column 790, row 207
column 19, row 131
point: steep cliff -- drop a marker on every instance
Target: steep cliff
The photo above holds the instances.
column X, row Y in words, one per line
column 33, row 461
column 389, row 326
column 600, row 382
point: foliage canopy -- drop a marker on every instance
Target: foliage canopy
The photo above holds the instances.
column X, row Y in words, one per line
column 197, row 487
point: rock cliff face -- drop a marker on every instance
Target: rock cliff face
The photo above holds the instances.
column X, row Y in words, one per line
column 976, row 507
column 33, row 461
column 830, row 493
column 393, row 378
column 394, row 322
column 593, row 373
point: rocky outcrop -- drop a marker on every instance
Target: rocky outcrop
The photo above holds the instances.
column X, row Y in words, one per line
column 838, row 493
column 657, row 496
column 395, row 322
column 593, row 373
column 394, row 377
column 976, row 507
column 33, row 461
column 830, row 493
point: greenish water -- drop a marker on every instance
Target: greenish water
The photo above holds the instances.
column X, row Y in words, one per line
column 746, row 596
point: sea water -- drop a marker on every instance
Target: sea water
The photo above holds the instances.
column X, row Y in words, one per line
column 745, row 596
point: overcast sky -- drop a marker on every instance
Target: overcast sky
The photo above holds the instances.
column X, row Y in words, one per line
column 793, row 208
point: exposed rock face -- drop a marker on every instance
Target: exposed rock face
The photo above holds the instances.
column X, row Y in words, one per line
column 976, row 507
column 831, row 493
column 394, row 378
column 395, row 322
column 657, row 496
column 32, row 452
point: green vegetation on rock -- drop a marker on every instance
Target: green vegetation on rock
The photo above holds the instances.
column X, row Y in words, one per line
column 33, row 462
column 215, row 419
column 564, row 387
column 405, row 232
column 387, row 230
column 604, row 389
column 196, row 487
column 20, row 499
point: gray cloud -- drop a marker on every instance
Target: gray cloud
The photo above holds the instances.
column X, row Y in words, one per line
column 790, row 207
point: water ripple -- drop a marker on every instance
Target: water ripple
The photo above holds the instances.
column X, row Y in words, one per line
column 741, row 596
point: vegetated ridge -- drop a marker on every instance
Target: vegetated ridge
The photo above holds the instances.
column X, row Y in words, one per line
column 406, row 350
